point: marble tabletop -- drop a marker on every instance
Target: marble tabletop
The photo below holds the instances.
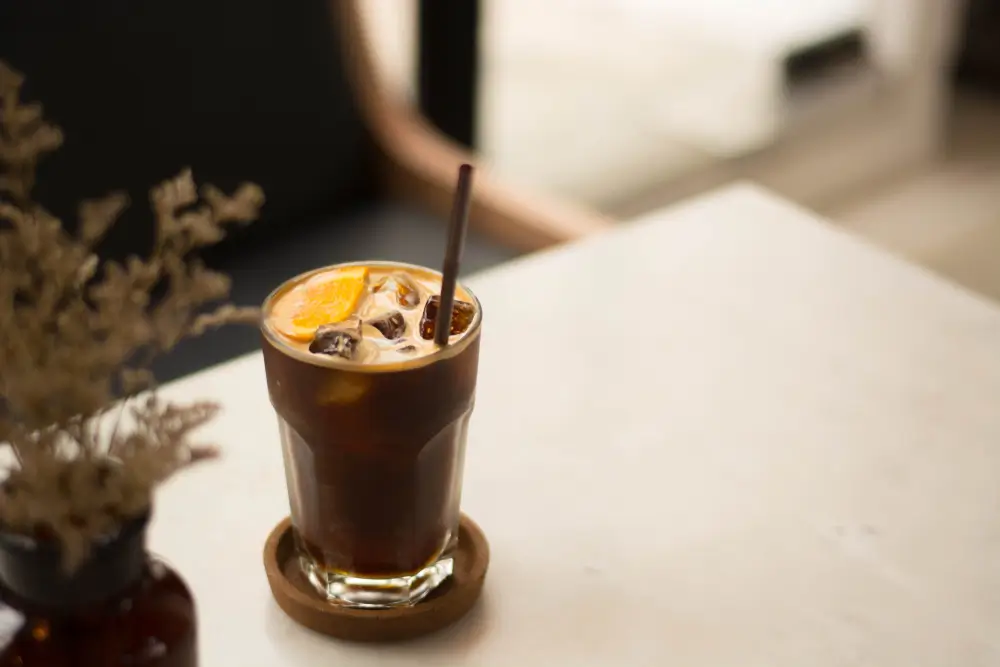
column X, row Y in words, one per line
column 725, row 434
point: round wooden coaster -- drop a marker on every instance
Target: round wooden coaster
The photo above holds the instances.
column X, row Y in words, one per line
column 443, row 606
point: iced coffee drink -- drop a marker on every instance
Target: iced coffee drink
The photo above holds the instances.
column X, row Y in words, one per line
column 373, row 417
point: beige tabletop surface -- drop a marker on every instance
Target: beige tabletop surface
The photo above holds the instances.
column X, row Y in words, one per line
column 725, row 434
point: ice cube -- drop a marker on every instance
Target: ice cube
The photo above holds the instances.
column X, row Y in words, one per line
column 407, row 294
column 391, row 325
column 338, row 340
column 462, row 314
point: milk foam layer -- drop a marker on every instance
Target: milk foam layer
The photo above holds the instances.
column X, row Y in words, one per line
column 380, row 299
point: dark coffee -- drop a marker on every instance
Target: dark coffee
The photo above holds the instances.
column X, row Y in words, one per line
column 374, row 443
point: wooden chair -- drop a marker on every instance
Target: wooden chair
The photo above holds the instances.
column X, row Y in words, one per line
column 284, row 94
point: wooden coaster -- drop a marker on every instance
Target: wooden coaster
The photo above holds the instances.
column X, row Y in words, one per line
column 443, row 606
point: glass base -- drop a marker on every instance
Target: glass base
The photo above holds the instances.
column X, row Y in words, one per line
column 367, row 593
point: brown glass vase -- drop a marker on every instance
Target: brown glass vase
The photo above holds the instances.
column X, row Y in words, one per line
column 120, row 607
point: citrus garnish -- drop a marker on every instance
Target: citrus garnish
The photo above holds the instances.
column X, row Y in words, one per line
column 343, row 389
column 324, row 299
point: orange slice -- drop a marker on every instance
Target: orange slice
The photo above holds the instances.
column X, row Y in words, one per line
column 324, row 299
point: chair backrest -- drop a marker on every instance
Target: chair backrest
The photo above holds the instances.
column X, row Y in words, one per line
column 239, row 90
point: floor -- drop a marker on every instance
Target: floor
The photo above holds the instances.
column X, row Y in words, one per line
column 601, row 101
column 946, row 215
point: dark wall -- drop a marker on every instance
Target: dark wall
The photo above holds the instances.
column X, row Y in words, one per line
column 238, row 90
column 978, row 62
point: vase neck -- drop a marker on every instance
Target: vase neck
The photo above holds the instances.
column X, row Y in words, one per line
column 34, row 572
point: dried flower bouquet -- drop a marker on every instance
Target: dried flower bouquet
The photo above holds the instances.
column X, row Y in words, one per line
column 87, row 436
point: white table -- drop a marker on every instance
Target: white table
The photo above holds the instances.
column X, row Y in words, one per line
column 764, row 443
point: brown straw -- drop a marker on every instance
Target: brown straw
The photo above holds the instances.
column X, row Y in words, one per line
column 453, row 254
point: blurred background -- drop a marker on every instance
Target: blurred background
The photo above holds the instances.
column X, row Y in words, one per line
column 883, row 115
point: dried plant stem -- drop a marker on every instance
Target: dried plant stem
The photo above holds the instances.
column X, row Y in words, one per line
column 78, row 405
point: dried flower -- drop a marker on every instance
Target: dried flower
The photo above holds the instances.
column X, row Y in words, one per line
column 78, row 406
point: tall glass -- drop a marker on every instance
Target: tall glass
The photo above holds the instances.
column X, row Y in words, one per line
column 373, row 458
